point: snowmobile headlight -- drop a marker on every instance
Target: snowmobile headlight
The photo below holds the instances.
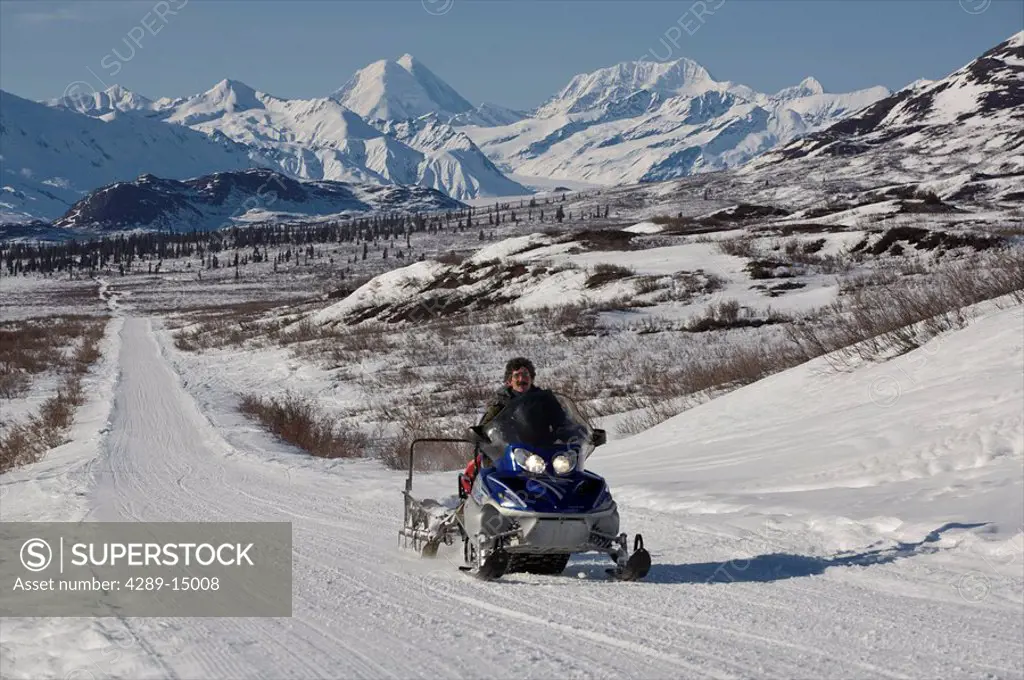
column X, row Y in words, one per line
column 535, row 464
column 563, row 464
column 529, row 461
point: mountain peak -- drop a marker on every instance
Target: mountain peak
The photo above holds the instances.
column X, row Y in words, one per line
column 967, row 110
column 230, row 85
column 114, row 98
column 811, row 84
column 116, row 91
column 587, row 91
column 399, row 90
column 232, row 95
column 808, row 87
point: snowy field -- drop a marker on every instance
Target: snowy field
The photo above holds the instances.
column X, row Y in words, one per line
column 833, row 517
column 845, row 525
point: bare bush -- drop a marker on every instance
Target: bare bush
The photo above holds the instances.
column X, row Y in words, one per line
column 13, row 384
column 451, row 258
column 300, row 421
column 561, row 318
column 649, row 412
column 27, row 351
column 351, row 343
column 412, row 424
column 741, row 246
column 684, row 286
column 26, row 442
column 302, row 331
column 233, row 325
column 606, row 273
column 647, row 284
column 665, row 391
column 722, row 314
column 21, row 444
column 895, row 316
column 466, row 390
column 564, row 267
column 88, row 352
column 509, row 315
column 33, row 346
column 868, row 279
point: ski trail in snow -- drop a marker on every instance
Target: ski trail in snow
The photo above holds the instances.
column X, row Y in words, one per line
column 364, row 609
column 354, row 602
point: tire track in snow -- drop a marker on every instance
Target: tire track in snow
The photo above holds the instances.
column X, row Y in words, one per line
column 768, row 643
column 414, row 588
column 141, row 479
column 642, row 651
column 858, row 601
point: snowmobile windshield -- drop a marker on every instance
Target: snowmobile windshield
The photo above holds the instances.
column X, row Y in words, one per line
column 538, row 418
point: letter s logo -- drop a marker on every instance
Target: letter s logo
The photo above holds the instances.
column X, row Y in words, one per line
column 36, row 554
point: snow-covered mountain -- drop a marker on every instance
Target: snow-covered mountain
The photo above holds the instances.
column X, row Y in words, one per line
column 224, row 198
column 607, row 86
column 396, row 122
column 115, row 98
column 970, row 121
column 488, row 114
column 52, row 157
column 406, row 89
column 398, row 90
column 647, row 121
column 451, row 162
column 308, row 139
column 322, row 139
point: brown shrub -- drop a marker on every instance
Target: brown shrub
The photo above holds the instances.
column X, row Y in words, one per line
column 13, row 384
column 300, row 421
column 27, row 441
column 884, row 315
column 648, row 413
column 606, row 273
column 451, row 258
column 664, row 391
column 563, row 318
column 21, row 445
column 741, row 246
column 647, row 284
column 414, row 424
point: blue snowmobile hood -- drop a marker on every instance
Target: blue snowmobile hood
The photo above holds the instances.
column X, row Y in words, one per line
column 581, row 492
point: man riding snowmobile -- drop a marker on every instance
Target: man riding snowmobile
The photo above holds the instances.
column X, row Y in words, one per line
column 526, row 502
column 519, row 376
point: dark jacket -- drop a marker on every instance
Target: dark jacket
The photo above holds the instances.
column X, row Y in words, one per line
column 501, row 400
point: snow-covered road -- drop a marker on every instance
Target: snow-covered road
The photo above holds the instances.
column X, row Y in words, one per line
column 744, row 584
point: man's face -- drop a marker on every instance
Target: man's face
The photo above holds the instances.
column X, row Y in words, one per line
column 520, row 380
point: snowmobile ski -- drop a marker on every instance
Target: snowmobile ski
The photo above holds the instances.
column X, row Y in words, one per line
column 493, row 567
column 637, row 566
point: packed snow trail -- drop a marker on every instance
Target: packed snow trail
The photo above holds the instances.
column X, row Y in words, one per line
column 736, row 590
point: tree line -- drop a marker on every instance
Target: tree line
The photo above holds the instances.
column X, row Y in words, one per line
column 122, row 251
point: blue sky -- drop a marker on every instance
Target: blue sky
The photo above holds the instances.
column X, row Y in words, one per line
column 515, row 53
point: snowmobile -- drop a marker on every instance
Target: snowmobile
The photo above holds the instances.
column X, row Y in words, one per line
column 532, row 505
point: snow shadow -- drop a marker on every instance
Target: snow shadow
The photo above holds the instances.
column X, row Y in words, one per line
column 781, row 566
